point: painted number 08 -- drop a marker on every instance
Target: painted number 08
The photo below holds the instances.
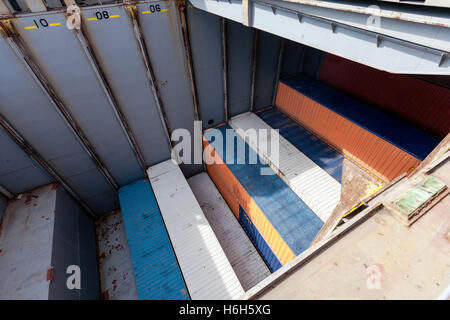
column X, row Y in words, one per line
column 102, row 15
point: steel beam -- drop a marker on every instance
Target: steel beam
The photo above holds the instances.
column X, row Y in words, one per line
column 198, row 154
column 133, row 15
column 28, row 149
column 413, row 41
column 277, row 76
column 94, row 62
column 224, row 67
column 255, row 50
column 36, row 5
column 4, row 8
column 6, row 193
column 16, row 44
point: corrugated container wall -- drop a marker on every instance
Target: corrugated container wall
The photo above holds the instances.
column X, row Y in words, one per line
column 423, row 104
column 386, row 146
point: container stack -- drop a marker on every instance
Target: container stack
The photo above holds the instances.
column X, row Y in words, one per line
column 174, row 251
column 278, row 222
column 384, row 145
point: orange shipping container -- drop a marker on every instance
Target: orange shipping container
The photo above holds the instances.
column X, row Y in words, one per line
column 383, row 145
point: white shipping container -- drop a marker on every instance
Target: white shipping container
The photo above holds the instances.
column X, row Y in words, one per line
column 206, row 270
column 317, row 189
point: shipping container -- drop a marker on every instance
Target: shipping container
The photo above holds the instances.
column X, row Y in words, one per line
column 45, row 235
column 203, row 263
column 320, row 192
column 386, row 146
column 280, row 224
column 421, row 103
column 156, row 270
column 248, row 265
column 317, row 121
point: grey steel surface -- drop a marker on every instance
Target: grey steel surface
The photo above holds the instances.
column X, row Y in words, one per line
column 204, row 31
column 3, row 201
column 291, row 58
column 240, row 49
column 413, row 41
column 18, row 172
column 266, row 69
column 117, row 49
column 26, row 243
column 74, row 243
column 62, row 60
column 164, row 41
column 46, row 131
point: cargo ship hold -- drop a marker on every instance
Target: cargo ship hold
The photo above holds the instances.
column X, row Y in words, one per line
column 224, row 149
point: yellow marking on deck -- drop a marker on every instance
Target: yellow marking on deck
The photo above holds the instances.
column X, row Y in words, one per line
column 148, row 11
column 91, row 19
column 32, row 27
column 115, row 16
column 54, row 24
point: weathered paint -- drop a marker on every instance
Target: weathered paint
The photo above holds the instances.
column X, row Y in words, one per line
column 284, row 221
column 242, row 254
column 28, row 224
column 116, row 269
column 385, row 145
column 204, row 29
column 46, row 229
column 158, row 276
column 417, row 197
column 207, row 272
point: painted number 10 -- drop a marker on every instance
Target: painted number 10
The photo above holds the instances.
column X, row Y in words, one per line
column 41, row 23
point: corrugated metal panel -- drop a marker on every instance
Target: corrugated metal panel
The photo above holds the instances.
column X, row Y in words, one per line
column 115, row 43
column 158, row 276
column 39, row 123
column 206, row 47
column 3, row 201
column 269, row 257
column 26, row 245
column 421, row 103
column 73, row 244
column 206, row 269
column 225, row 180
column 318, row 151
column 240, row 54
column 266, row 69
column 67, row 68
column 242, row 254
column 292, row 58
column 164, row 41
column 369, row 136
column 317, row 189
column 284, row 221
column 116, row 269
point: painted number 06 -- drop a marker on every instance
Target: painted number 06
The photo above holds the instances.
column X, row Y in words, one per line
column 155, row 8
